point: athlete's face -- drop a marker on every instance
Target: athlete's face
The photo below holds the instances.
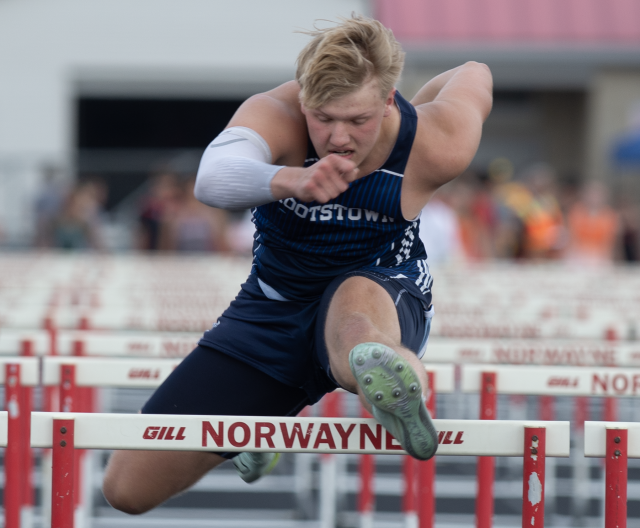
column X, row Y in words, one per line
column 349, row 126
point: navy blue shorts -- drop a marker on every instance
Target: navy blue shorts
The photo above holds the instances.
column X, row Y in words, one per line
column 285, row 339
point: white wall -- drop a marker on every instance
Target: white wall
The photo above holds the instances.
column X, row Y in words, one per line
column 51, row 51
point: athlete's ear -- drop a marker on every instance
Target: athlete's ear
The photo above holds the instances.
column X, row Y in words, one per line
column 388, row 104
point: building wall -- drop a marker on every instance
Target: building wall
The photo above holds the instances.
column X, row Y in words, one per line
column 52, row 51
column 527, row 124
column 612, row 98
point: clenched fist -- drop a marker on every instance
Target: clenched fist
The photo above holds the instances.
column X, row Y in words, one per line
column 323, row 181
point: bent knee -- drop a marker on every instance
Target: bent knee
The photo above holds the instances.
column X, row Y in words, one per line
column 124, row 491
column 123, row 499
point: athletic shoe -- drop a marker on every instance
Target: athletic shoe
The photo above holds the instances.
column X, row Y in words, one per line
column 252, row 466
column 392, row 387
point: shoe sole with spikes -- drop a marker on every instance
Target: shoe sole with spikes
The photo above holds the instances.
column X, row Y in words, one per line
column 392, row 387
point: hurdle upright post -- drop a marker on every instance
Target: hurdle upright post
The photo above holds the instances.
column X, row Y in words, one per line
column 547, row 413
column 409, row 499
column 328, row 468
column 67, row 388
column 63, row 485
column 69, row 403
column 533, row 477
column 486, row 464
column 83, row 401
column 427, row 470
column 615, row 508
column 611, row 404
column 610, row 410
column 366, row 497
column 13, row 453
column 27, row 453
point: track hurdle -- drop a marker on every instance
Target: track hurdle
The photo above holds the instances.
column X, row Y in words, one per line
column 491, row 380
column 616, row 442
column 18, row 374
column 65, row 432
column 418, row 501
column 73, row 375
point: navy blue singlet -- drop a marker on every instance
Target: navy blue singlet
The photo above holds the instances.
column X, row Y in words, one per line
column 300, row 247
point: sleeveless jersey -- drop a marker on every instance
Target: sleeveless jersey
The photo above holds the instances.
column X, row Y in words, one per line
column 299, row 247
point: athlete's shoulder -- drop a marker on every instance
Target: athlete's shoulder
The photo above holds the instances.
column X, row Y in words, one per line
column 277, row 117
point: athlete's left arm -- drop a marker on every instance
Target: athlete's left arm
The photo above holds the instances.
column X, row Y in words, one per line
column 451, row 109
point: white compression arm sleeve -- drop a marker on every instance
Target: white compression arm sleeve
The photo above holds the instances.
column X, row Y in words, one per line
column 235, row 171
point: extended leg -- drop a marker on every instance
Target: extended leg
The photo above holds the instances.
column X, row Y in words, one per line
column 363, row 338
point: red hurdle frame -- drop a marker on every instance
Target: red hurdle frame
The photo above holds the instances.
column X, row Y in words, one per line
column 418, row 500
column 63, row 502
column 63, row 482
column 427, row 472
column 18, row 456
column 14, row 451
column 486, row 465
column 615, row 505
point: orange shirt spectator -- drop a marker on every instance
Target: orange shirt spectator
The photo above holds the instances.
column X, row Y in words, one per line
column 593, row 228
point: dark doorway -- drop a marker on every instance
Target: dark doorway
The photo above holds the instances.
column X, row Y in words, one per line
column 123, row 141
column 151, row 124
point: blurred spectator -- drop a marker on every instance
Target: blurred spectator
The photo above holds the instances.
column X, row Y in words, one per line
column 159, row 203
column 474, row 235
column 440, row 229
column 240, row 233
column 484, row 205
column 630, row 229
column 48, row 205
column 79, row 223
column 593, row 227
column 530, row 216
column 508, row 237
column 543, row 223
column 193, row 226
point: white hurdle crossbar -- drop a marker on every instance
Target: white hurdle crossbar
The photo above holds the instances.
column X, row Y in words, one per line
column 66, row 431
column 141, row 373
column 535, row 351
column 555, row 381
column 4, row 428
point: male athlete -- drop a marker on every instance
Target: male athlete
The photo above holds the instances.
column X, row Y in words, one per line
column 337, row 166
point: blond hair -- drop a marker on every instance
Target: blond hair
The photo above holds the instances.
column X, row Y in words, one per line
column 340, row 59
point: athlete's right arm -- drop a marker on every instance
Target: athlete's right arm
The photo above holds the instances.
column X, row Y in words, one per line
column 452, row 109
column 258, row 158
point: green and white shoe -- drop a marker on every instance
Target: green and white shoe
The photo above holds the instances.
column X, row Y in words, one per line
column 392, row 387
column 252, row 466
